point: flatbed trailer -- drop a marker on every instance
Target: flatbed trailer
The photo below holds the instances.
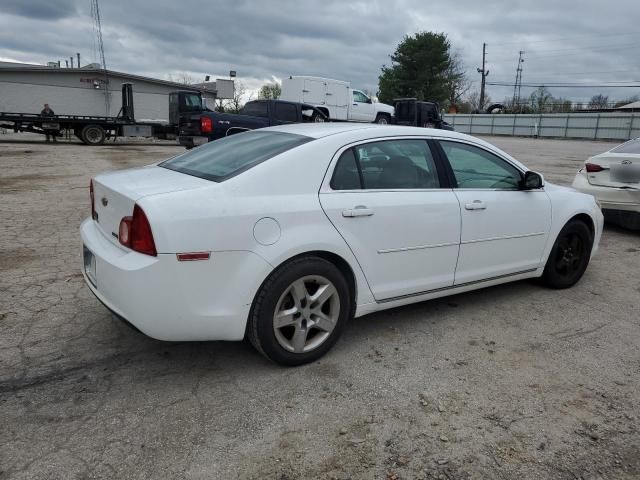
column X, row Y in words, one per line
column 94, row 130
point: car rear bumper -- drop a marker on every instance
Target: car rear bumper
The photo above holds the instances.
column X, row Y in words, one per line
column 192, row 140
column 171, row 300
column 609, row 198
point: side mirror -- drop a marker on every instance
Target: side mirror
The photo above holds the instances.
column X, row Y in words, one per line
column 532, row 181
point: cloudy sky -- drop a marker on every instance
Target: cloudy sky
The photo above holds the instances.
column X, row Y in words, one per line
column 576, row 41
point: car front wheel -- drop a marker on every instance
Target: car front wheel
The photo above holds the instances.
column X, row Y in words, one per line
column 569, row 256
column 300, row 311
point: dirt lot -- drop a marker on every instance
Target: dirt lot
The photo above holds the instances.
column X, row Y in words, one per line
column 511, row 382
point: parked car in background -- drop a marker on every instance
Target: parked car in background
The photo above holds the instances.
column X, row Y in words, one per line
column 336, row 99
column 416, row 113
column 613, row 177
column 202, row 127
column 284, row 234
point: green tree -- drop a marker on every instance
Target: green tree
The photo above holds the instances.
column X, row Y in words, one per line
column 270, row 91
column 423, row 67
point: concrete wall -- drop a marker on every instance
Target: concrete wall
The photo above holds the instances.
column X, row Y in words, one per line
column 596, row 126
column 73, row 93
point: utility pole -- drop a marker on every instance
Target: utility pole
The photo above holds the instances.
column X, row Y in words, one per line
column 518, row 84
column 482, row 71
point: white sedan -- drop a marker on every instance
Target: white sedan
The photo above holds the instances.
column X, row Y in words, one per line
column 613, row 177
column 283, row 234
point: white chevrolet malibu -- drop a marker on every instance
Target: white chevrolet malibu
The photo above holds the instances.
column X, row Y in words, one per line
column 613, row 177
column 283, row 234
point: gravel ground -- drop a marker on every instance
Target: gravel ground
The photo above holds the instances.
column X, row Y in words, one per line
column 515, row 381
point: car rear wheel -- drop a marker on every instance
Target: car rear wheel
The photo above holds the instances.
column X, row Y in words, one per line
column 569, row 256
column 299, row 312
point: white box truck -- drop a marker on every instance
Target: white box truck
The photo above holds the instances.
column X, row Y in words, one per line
column 336, row 99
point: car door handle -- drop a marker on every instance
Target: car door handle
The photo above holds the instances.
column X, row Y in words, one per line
column 359, row 211
column 476, row 205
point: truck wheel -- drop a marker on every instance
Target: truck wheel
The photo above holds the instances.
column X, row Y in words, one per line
column 317, row 118
column 382, row 119
column 93, row 135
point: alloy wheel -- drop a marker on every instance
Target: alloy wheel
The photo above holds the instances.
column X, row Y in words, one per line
column 306, row 314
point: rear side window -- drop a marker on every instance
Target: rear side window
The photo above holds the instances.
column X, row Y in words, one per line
column 256, row 109
column 632, row 146
column 286, row 112
column 386, row 165
column 230, row 156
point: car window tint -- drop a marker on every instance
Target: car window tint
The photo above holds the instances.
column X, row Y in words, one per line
column 397, row 164
column 632, row 146
column 286, row 112
column 230, row 156
column 474, row 167
column 256, row 109
column 346, row 175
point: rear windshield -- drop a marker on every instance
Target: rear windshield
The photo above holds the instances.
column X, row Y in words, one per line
column 632, row 146
column 230, row 156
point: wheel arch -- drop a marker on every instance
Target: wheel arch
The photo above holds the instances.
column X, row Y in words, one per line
column 587, row 220
column 324, row 110
column 338, row 261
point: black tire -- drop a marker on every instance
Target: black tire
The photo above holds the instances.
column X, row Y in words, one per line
column 261, row 330
column 92, row 135
column 382, row 119
column 318, row 118
column 569, row 256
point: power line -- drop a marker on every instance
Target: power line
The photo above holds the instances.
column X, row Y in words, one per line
column 560, row 85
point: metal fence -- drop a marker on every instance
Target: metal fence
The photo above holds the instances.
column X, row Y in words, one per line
column 595, row 126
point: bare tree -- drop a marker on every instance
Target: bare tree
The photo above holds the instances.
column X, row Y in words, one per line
column 473, row 99
column 457, row 82
column 182, row 77
column 236, row 103
column 599, row 101
column 541, row 99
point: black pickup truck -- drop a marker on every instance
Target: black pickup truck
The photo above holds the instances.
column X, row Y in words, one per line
column 416, row 113
column 196, row 129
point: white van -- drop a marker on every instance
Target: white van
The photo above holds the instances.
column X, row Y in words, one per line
column 336, row 99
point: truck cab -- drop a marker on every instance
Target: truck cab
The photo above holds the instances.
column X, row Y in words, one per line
column 416, row 113
column 336, row 99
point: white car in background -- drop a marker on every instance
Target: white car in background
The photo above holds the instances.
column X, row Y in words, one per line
column 283, row 234
column 613, row 177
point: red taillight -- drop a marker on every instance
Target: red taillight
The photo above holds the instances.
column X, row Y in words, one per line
column 93, row 200
column 593, row 167
column 135, row 232
column 206, row 125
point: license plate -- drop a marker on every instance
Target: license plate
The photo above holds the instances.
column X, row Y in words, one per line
column 90, row 265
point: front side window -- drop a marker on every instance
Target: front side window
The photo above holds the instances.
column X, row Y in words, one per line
column 474, row 167
column 359, row 97
column 386, row 165
column 230, row 156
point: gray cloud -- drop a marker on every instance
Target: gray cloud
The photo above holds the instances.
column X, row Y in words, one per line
column 572, row 40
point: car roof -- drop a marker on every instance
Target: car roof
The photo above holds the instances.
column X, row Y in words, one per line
column 366, row 130
column 352, row 132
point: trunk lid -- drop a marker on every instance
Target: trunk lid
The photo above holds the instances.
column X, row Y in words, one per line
column 619, row 170
column 116, row 193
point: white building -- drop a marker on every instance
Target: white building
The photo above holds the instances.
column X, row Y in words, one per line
column 84, row 91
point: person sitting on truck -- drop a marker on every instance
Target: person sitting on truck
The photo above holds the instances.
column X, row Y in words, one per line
column 48, row 112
